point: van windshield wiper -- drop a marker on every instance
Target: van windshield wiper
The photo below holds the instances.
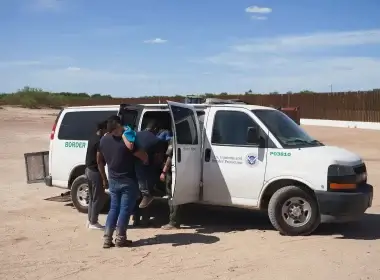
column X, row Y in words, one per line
column 295, row 141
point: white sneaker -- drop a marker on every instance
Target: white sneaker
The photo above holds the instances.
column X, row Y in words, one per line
column 96, row 226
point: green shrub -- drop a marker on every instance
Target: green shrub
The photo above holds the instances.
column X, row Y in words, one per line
column 29, row 102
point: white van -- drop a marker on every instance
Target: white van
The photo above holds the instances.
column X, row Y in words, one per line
column 242, row 155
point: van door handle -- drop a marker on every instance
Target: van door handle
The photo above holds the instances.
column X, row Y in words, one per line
column 179, row 154
column 207, row 155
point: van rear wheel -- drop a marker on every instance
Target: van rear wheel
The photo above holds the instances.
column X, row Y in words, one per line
column 292, row 211
column 79, row 193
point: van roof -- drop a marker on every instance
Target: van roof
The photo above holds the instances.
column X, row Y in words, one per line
column 116, row 107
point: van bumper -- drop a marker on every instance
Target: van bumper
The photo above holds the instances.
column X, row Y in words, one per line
column 344, row 206
column 48, row 181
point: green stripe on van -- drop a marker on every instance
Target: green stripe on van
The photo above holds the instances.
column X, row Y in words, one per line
column 75, row 144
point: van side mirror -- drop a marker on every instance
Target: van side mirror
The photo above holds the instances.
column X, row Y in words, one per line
column 253, row 135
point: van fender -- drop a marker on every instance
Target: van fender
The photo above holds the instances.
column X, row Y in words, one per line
column 76, row 171
column 267, row 184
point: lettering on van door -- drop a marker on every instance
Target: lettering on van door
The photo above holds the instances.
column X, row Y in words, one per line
column 228, row 159
column 75, row 144
column 191, row 149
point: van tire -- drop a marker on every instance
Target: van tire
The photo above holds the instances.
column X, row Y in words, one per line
column 78, row 184
column 282, row 201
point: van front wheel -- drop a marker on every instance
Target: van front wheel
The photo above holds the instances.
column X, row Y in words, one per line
column 79, row 193
column 292, row 211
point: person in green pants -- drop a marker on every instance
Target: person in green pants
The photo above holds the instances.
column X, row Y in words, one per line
column 166, row 176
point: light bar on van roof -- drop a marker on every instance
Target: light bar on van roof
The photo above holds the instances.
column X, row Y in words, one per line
column 210, row 101
column 223, row 101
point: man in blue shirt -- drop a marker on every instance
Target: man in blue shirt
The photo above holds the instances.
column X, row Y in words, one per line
column 121, row 182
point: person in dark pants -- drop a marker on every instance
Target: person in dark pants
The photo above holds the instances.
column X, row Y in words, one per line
column 141, row 216
column 96, row 192
column 129, row 138
column 121, row 182
column 166, row 176
column 147, row 141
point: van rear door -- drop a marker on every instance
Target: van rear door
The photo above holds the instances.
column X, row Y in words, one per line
column 186, row 169
column 69, row 143
column 130, row 114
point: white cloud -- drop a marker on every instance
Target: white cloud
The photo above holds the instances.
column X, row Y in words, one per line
column 309, row 41
column 259, row 18
column 282, row 63
column 73, row 69
column 258, row 10
column 50, row 61
column 155, row 41
column 51, row 5
column 305, row 61
column 78, row 74
column 19, row 63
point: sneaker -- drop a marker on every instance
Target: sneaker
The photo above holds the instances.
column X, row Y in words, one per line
column 170, row 227
column 121, row 244
column 108, row 244
column 96, row 226
column 146, row 201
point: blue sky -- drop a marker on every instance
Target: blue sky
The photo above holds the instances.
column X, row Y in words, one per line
column 168, row 47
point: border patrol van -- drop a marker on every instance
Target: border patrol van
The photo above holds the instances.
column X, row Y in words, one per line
column 240, row 155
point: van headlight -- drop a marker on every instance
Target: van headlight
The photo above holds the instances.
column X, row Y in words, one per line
column 341, row 177
column 340, row 170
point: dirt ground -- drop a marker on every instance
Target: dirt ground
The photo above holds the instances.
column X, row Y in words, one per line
column 42, row 239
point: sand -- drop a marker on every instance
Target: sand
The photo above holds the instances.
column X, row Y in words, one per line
column 42, row 239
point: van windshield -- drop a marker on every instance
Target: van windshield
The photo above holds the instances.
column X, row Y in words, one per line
column 286, row 131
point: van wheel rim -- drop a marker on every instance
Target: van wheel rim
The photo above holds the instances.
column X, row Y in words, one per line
column 82, row 195
column 296, row 212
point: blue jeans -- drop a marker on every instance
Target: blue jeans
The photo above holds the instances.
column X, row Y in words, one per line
column 123, row 195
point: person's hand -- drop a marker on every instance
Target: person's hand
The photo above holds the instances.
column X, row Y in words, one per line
column 145, row 158
column 162, row 177
column 105, row 184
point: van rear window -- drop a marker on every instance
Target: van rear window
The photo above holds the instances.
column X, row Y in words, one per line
column 81, row 125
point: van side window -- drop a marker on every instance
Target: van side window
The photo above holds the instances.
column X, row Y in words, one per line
column 185, row 126
column 81, row 125
column 230, row 128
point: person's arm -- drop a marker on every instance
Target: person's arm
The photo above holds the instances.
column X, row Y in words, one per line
column 142, row 155
column 101, row 167
column 127, row 143
column 168, row 164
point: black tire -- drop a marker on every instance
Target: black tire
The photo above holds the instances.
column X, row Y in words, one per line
column 78, row 183
column 278, row 200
